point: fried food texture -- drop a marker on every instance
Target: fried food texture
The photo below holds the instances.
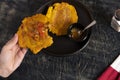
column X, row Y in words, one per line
column 61, row 16
column 33, row 33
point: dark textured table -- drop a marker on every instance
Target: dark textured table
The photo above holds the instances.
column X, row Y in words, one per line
column 103, row 47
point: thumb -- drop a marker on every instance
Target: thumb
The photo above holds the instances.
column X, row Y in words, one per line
column 12, row 42
column 19, row 57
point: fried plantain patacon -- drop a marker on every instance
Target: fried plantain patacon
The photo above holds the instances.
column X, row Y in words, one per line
column 33, row 33
column 61, row 16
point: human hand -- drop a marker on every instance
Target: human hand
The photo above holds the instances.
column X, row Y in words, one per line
column 11, row 57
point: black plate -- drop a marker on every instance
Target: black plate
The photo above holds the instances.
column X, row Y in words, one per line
column 63, row 45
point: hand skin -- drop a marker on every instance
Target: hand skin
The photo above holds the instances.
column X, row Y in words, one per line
column 11, row 57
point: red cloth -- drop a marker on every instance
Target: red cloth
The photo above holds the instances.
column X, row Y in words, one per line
column 110, row 74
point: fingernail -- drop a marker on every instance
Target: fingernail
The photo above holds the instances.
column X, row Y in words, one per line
column 15, row 35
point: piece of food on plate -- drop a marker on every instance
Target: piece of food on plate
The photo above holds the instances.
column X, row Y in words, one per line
column 33, row 33
column 61, row 16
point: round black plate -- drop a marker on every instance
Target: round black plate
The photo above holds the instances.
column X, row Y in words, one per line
column 63, row 45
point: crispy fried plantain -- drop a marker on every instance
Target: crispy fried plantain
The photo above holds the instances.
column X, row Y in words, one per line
column 61, row 16
column 33, row 33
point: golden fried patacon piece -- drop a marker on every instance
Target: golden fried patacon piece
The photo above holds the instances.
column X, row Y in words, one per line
column 61, row 16
column 33, row 33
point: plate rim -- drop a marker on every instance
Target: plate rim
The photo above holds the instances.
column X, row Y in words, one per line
column 89, row 34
